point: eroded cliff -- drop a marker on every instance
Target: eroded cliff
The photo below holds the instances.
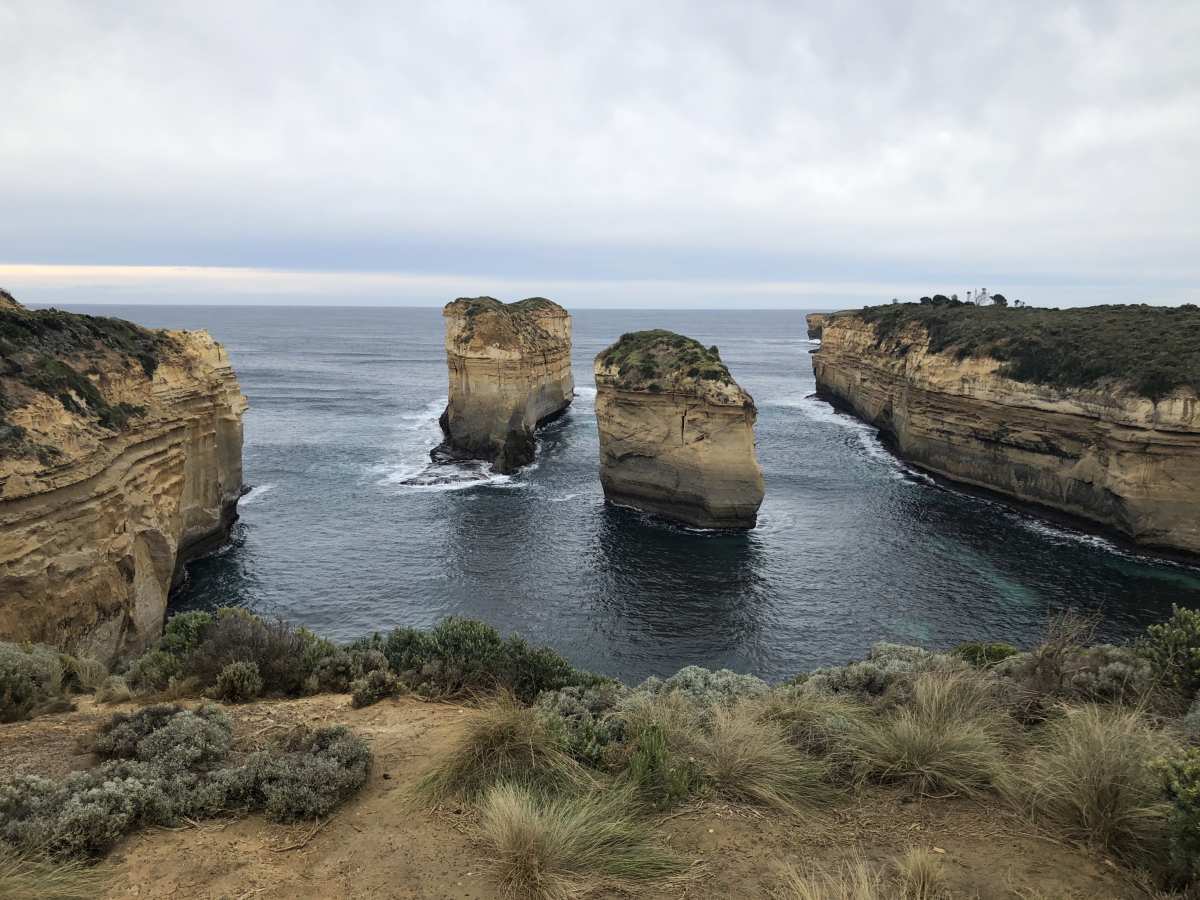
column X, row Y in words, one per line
column 120, row 461
column 510, row 371
column 1092, row 445
column 676, row 432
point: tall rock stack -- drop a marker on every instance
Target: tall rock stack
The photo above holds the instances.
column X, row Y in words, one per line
column 120, row 460
column 510, row 371
column 676, row 432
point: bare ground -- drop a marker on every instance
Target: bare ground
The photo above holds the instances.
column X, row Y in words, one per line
column 383, row 845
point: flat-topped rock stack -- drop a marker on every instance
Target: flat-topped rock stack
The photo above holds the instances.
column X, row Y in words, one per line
column 676, row 432
column 510, row 371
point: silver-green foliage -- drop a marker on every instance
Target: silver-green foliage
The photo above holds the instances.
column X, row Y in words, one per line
column 165, row 764
column 30, row 676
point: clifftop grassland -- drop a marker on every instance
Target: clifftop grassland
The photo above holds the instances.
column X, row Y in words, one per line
column 477, row 766
column 1151, row 349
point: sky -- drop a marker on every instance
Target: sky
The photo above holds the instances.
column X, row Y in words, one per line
column 787, row 154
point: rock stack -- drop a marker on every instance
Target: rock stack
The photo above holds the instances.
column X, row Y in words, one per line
column 676, row 432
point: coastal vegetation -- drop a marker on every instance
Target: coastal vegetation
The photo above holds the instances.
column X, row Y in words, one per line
column 564, row 773
column 53, row 352
column 652, row 360
column 1152, row 349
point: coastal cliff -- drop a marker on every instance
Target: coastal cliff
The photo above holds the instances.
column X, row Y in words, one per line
column 676, row 432
column 120, row 461
column 1045, row 406
column 510, row 370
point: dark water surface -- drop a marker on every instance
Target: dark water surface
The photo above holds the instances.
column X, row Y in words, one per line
column 851, row 547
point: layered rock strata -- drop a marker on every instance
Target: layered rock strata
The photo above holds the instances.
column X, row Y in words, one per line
column 510, row 371
column 1102, row 453
column 676, row 432
column 120, row 461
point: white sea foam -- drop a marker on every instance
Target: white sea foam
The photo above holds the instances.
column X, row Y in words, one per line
column 255, row 494
column 868, row 436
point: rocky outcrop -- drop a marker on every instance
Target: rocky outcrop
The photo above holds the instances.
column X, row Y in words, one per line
column 510, row 371
column 120, row 461
column 676, row 432
column 816, row 323
column 1103, row 453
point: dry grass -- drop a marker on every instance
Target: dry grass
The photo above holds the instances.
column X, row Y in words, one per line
column 749, row 760
column 921, row 876
column 1091, row 777
column 917, row 875
column 113, row 689
column 556, row 848
column 504, row 742
column 676, row 716
column 815, row 722
column 24, row 877
column 948, row 739
column 853, row 880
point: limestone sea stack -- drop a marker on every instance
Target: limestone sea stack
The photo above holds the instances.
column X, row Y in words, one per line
column 1093, row 412
column 510, row 371
column 676, row 432
column 120, row 461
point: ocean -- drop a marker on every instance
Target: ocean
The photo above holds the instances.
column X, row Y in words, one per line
column 852, row 546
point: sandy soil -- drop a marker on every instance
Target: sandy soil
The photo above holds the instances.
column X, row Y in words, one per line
column 382, row 845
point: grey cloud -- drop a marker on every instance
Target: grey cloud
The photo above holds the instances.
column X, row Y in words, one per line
column 951, row 143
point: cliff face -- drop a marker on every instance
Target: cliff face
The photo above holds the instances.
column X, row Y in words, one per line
column 120, row 461
column 1104, row 453
column 676, row 432
column 510, row 370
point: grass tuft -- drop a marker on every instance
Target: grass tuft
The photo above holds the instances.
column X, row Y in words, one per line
column 749, row 760
column 1093, row 777
column 550, row 849
column 27, row 877
column 947, row 739
column 852, row 880
column 503, row 742
column 921, row 876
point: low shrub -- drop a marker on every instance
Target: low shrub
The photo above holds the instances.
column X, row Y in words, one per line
column 153, row 671
column 982, row 654
column 552, row 848
column 1173, row 651
column 948, row 738
column 707, row 688
column 377, row 685
column 236, row 635
column 165, row 764
column 1092, row 776
column 1191, row 722
column 113, row 690
column 1181, row 777
column 338, row 671
column 504, row 742
column 314, row 772
column 751, row 761
column 31, row 678
column 889, row 665
column 184, row 632
column 463, row 656
column 238, row 682
column 661, row 778
column 582, row 716
column 29, row 876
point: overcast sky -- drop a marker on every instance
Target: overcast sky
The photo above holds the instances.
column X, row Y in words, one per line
column 789, row 154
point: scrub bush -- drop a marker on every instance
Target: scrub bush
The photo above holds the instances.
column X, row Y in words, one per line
column 888, row 666
column 707, row 688
column 982, row 654
column 166, row 763
column 31, row 676
column 582, row 718
column 239, row 682
column 184, row 632
column 153, row 671
column 377, row 685
column 236, row 635
column 1181, row 776
column 1173, row 651
column 662, row 778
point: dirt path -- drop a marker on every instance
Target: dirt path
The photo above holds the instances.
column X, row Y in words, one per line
column 382, row 845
